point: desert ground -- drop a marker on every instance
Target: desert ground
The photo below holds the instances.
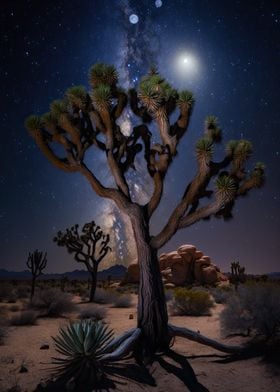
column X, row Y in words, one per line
column 24, row 365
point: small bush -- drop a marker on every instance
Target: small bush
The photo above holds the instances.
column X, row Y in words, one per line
column 103, row 296
column 93, row 312
column 54, row 302
column 122, row 301
column 221, row 294
column 255, row 309
column 28, row 317
column 190, row 303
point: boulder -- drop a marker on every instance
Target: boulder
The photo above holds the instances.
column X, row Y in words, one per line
column 186, row 265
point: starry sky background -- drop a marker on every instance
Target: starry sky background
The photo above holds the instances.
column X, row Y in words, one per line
column 47, row 46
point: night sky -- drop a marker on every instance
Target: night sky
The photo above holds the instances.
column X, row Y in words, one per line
column 226, row 52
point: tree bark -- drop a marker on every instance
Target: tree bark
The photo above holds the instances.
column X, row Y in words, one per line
column 152, row 311
column 93, row 285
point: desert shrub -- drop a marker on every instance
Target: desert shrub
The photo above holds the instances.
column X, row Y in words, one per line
column 93, row 312
column 7, row 292
column 82, row 345
column 254, row 309
column 190, row 302
column 23, row 291
column 53, row 302
column 122, row 301
column 28, row 317
column 221, row 294
column 3, row 334
column 103, row 296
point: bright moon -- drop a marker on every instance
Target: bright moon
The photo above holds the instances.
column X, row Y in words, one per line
column 133, row 19
column 187, row 64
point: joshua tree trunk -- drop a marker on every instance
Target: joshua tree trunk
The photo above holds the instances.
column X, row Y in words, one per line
column 32, row 288
column 152, row 312
column 93, row 284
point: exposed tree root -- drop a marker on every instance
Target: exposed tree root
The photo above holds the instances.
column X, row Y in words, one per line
column 197, row 337
column 123, row 345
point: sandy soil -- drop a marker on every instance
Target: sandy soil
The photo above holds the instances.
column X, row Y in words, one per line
column 22, row 347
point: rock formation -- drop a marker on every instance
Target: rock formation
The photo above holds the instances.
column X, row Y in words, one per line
column 183, row 266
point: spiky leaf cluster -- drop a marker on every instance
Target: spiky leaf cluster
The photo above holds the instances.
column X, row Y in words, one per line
column 82, row 345
column 103, row 74
column 101, row 97
column 225, row 188
column 212, row 130
column 154, row 92
column 204, row 149
column 258, row 175
column 59, row 107
column 185, row 96
column 239, row 149
column 33, row 123
column 77, row 96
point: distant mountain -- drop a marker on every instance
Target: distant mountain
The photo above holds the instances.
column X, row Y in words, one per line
column 116, row 272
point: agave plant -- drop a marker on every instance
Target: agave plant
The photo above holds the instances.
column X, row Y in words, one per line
column 82, row 345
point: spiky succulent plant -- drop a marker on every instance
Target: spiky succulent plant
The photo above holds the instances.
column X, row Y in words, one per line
column 154, row 92
column 204, row 149
column 103, row 74
column 186, row 96
column 257, row 175
column 212, row 130
column 58, row 107
column 101, row 97
column 82, row 345
column 33, row 123
column 225, row 188
column 77, row 96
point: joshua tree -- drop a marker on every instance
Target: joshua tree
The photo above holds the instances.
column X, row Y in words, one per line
column 83, row 120
column 89, row 247
column 36, row 263
column 237, row 273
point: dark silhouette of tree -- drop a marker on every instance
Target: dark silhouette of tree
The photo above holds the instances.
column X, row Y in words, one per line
column 82, row 120
column 36, row 263
column 237, row 274
column 90, row 246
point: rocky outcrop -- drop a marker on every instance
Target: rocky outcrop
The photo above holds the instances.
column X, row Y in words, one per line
column 183, row 266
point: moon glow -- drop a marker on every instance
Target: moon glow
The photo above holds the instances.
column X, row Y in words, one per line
column 187, row 64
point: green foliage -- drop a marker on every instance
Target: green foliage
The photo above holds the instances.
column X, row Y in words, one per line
column 58, row 107
column 254, row 308
column 77, row 96
column 82, row 345
column 154, row 92
column 32, row 123
column 103, row 74
column 231, row 147
column 225, row 188
column 186, row 96
column 190, row 302
column 101, row 97
column 204, row 149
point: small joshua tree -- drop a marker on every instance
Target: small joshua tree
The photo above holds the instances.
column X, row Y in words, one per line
column 89, row 247
column 36, row 263
column 237, row 273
